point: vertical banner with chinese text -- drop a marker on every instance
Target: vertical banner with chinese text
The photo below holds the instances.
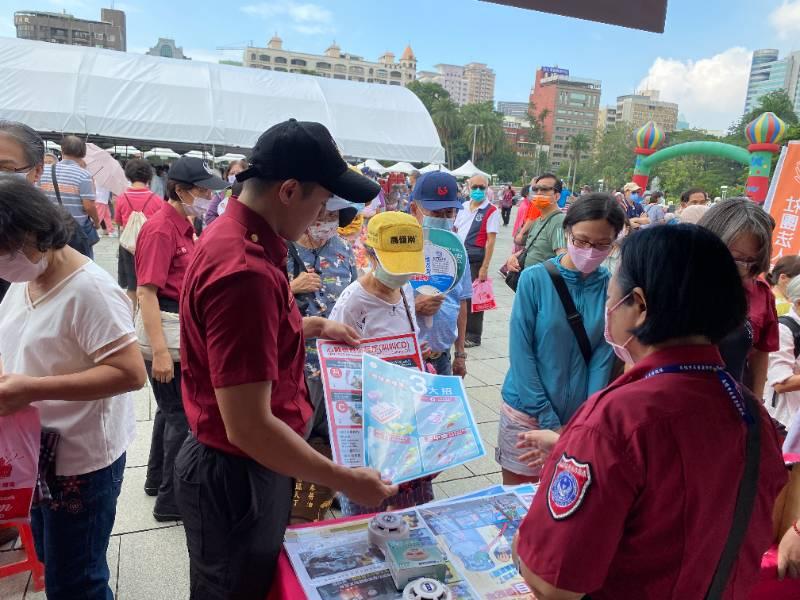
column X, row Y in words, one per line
column 783, row 203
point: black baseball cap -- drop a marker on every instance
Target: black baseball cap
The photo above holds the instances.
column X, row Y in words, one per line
column 306, row 151
column 196, row 171
column 437, row 190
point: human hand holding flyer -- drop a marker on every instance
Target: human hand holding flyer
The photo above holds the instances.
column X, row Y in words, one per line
column 415, row 424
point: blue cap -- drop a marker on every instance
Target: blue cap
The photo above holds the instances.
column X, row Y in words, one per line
column 437, row 190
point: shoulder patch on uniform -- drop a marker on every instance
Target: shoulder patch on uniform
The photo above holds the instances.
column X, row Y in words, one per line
column 568, row 487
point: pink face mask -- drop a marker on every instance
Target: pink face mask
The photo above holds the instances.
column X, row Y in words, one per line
column 621, row 351
column 586, row 259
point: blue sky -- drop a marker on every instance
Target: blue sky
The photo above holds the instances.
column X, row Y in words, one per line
column 701, row 61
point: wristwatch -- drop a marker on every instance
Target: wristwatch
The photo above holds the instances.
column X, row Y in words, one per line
column 460, row 355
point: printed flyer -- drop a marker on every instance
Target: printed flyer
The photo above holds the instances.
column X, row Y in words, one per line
column 342, row 383
column 415, row 423
column 336, row 562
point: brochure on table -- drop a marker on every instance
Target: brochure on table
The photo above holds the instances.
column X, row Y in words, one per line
column 415, row 423
column 340, row 365
column 334, row 562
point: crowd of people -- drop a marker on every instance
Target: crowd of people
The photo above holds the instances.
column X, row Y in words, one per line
column 648, row 362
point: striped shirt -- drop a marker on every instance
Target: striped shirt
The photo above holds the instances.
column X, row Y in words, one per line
column 74, row 184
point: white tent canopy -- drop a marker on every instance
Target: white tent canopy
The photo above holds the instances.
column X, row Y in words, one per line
column 468, row 170
column 161, row 153
column 124, row 150
column 230, row 157
column 200, row 154
column 434, row 167
column 137, row 98
column 401, row 167
column 374, row 166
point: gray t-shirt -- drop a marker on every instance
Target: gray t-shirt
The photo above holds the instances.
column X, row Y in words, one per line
column 75, row 185
column 545, row 236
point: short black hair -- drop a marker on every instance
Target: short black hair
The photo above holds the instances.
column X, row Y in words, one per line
column 72, row 145
column 138, row 169
column 559, row 184
column 31, row 142
column 594, row 207
column 26, row 212
column 786, row 265
column 685, row 195
column 683, row 270
column 655, row 197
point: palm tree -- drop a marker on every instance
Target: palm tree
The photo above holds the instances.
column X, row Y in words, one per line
column 578, row 144
column 489, row 134
column 449, row 124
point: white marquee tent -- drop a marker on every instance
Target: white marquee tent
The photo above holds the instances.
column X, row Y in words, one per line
column 434, row 167
column 180, row 104
column 401, row 167
column 373, row 165
column 468, row 170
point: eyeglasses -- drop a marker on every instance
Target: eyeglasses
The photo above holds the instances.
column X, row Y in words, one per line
column 746, row 265
column 586, row 244
column 546, row 190
column 21, row 171
column 478, row 187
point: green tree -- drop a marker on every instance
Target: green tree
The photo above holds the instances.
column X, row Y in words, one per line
column 577, row 144
column 429, row 93
column 613, row 158
column 489, row 135
column 450, row 125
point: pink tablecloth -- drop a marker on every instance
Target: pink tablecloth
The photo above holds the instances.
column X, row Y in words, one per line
column 287, row 586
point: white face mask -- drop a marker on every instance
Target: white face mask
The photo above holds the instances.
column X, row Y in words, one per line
column 199, row 208
column 394, row 282
column 322, row 232
column 17, row 268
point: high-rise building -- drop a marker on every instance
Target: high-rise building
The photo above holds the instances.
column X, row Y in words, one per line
column 166, row 48
column 768, row 73
column 572, row 105
column 606, row 117
column 334, row 64
column 63, row 28
column 471, row 84
column 513, row 109
column 638, row 109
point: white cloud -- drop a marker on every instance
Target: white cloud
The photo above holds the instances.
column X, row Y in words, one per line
column 305, row 18
column 709, row 91
column 785, row 19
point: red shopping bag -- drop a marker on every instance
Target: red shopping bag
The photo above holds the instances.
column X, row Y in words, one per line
column 20, row 436
column 483, row 296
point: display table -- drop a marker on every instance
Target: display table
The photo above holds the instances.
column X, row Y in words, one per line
column 286, row 585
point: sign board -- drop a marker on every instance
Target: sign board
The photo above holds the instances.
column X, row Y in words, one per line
column 554, row 71
column 783, row 203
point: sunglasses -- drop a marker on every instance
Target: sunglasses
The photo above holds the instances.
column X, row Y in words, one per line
column 538, row 188
column 478, row 187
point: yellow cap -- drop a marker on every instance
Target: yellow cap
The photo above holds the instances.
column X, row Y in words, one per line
column 397, row 240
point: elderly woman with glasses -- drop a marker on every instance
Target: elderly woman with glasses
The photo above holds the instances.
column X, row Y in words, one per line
column 556, row 362
column 746, row 230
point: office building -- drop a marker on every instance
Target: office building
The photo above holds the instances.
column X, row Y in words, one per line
column 768, row 73
column 166, row 48
column 638, row 109
column 471, row 84
column 572, row 105
column 63, row 28
column 513, row 109
column 334, row 64
column 606, row 117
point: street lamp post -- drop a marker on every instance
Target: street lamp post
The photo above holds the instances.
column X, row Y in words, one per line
column 474, row 137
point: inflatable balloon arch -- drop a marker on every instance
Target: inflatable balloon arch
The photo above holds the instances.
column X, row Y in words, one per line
column 764, row 134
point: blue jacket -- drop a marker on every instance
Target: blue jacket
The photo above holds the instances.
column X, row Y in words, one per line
column 548, row 378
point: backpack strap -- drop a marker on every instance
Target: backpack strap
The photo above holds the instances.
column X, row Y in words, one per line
column 299, row 264
column 55, row 183
column 573, row 316
column 794, row 327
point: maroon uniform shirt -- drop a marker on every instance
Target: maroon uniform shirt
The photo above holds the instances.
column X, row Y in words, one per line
column 164, row 250
column 655, row 466
column 240, row 324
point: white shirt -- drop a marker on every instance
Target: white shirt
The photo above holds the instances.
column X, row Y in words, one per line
column 371, row 316
column 62, row 333
column 466, row 216
column 101, row 195
column 782, row 365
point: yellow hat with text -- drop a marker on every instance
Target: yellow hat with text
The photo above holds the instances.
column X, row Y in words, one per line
column 397, row 240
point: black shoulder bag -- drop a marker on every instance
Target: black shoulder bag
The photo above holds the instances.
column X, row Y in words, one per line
column 512, row 277
column 745, row 499
column 85, row 236
column 574, row 318
column 303, row 300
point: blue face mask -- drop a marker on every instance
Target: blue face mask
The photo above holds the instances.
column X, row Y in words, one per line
column 477, row 195
column 438, row 223
column 635, row 197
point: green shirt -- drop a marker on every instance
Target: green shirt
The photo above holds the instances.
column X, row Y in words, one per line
column 546, row 235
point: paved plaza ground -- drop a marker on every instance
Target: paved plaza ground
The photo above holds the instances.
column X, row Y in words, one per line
column 148, row 560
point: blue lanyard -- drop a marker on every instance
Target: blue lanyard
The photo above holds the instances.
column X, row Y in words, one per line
column 728, row 383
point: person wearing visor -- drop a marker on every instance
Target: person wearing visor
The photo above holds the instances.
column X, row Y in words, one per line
column 164, row 250
column 541, row 238
column 435, row 206
column 243, row 359
column 477, row 225
column 381, row 304
column 320, row 266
